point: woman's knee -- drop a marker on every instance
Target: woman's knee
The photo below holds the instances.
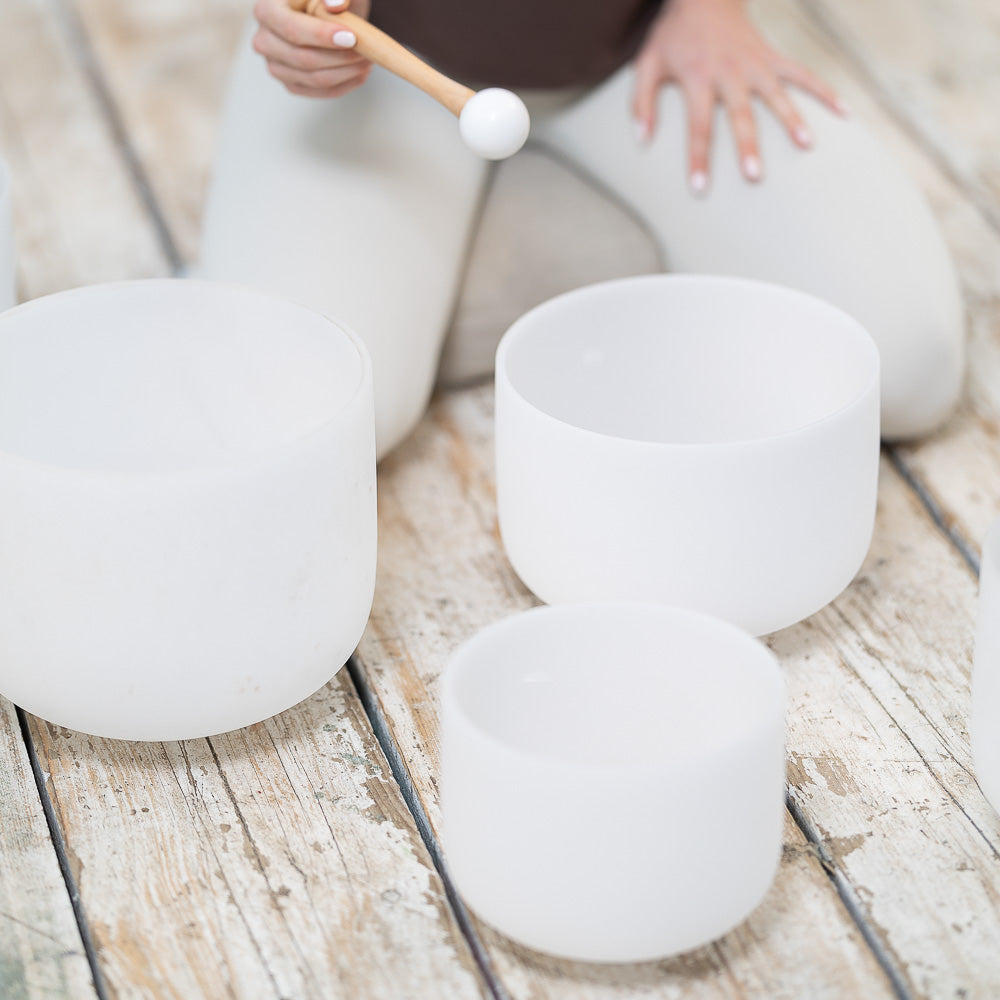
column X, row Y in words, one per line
column 870, row 243
column 841, row 221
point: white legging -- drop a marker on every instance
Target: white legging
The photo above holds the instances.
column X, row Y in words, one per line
column 362, row 208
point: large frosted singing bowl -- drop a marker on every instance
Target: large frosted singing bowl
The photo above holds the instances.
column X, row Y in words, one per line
column 710, row 443
column 7, row 297
column 986, row 672
column 187, row 506
column 593, row 760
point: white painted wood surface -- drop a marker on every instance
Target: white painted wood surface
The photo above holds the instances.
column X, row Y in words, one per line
column 443, row 576
column 164, row 65
column 275, row 861
column 281, row 860
column 892, row 802
column 77, row 218
column 41, row 952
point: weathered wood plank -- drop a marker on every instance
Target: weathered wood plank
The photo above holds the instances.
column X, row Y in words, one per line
column 442, row 577
column 76, row 221
column 934, row 65
column 41, row 954
column 76, row 215
column 746, row 963
column 165, row 63
column 275, row 861
column 880, row 759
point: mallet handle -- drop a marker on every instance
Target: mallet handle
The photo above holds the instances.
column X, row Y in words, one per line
column 376, row 46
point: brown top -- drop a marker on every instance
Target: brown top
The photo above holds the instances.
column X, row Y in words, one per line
column 520, row 43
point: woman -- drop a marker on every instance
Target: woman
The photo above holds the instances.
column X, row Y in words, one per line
column 361, row 204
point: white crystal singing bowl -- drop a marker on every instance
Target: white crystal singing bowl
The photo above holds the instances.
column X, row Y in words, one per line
column 705, row 442
column 187, row 506
column 7, row 298
column 986, row 672
column 593, row 759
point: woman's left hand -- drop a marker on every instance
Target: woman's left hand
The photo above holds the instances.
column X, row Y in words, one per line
column 713, row 52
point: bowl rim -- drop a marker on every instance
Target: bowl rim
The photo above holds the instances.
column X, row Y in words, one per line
column 254, row 460
column 517, row 329
column 464, row 657
column 989, row 554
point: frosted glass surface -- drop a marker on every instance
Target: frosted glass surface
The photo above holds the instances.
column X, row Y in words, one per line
column 137, row 381
column 694, row 367
column 593, row 757
column 704, row 442
column 187, row 506
column 550, row 693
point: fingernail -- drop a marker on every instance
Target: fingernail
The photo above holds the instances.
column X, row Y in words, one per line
column 751, row 168
column 345, row 39
column 334, row 4
column 842, row 107
column 803, row 136
column 641, row 130
column 699, row 182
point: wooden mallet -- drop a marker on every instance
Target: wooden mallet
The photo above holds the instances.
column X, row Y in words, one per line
column 493, row 122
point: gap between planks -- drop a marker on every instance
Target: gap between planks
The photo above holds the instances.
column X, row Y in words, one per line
column 397, row 764
column 91, row 70
column 944, row 524
column 849, row 897
column 59, row 847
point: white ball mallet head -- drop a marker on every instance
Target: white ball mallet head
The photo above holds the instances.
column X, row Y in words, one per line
column 494, row 123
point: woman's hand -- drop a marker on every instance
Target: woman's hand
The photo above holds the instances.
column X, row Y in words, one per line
column 713, row 52
column 310, row 56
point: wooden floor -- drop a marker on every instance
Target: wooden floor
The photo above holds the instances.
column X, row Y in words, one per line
column 298, row 858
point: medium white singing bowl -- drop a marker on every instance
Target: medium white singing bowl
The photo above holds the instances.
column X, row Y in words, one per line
column 705, row 442
column 612, row 778
column 7, row 296
column 986, row 673
column 187, row 506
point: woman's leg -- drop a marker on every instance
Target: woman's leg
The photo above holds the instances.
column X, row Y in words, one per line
column 840, row 221
column 360, row 208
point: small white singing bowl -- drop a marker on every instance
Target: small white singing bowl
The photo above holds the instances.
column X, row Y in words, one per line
column 612, row 778
column 986, row 672
column 187, row 506
column 7, row 294
column 705, row 442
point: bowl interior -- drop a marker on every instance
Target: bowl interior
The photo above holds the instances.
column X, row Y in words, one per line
column 164, row 376
column 616, row 684
column 688, row 360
